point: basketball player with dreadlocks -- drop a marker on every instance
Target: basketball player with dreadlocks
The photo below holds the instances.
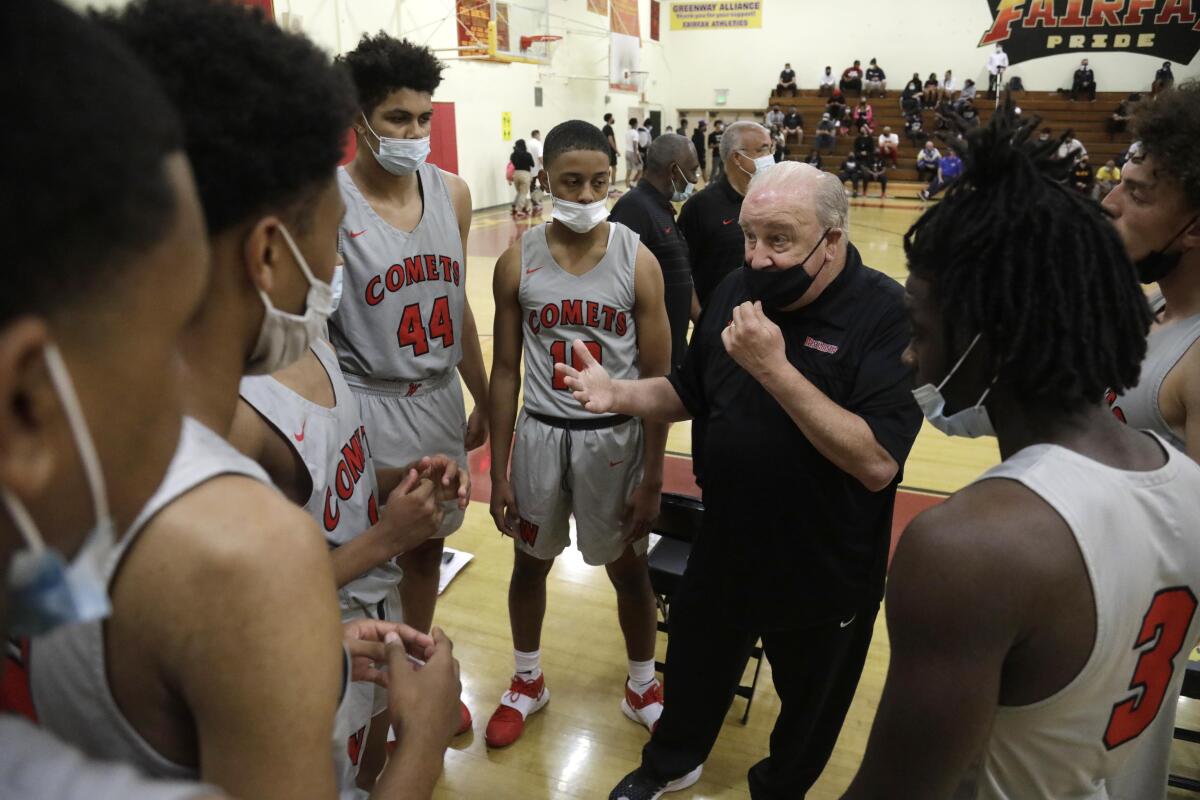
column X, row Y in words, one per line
column 1039, row 617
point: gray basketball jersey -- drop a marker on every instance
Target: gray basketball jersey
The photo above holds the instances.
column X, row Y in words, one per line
column 401, row 313
column 333, row 444
column 68, row 676
column 1164, row 348
column 558, row 307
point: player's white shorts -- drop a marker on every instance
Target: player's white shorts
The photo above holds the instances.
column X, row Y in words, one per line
column 588, row 473
column 406, row 421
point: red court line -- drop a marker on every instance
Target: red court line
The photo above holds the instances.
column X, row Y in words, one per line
column 678, row 478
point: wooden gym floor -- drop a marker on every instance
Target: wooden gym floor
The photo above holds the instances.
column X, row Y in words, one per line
column 581, row 744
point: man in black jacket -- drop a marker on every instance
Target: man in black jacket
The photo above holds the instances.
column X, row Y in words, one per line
column 1084, row 82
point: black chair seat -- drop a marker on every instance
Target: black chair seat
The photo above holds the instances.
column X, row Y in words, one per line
column 667, row 562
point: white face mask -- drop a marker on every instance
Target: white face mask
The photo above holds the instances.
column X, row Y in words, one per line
column 399, row 156
column 970, row 423
column 284, row 337
column 44, row 591
column 688, row 187
column 761, row 164
column 579, row 217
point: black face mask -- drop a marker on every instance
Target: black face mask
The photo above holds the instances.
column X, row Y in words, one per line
column 1159, row 264
column 781, row 288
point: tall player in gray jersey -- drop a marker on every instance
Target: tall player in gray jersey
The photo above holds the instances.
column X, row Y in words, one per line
column 1156, row 210
column 89, row 410
column 303, row 426
column 404, row 331
column 226, row 579
column 578, row 277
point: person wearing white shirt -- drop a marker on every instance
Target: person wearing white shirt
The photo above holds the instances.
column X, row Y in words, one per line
column 774, row 117
column 927, row 162
column 633, row 155
column 949, row 86
column 1071, row 150
column 534, row 145
column 996, row 65
column 826, row 82
column 889, row 145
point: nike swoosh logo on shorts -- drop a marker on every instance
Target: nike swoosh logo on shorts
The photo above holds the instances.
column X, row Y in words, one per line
column 354, row 235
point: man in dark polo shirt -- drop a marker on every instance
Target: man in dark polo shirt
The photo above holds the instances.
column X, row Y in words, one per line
column 671, row 173
column 709, row 221
column 794, row 373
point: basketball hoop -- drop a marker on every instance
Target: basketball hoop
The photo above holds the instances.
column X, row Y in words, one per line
column 539, row 47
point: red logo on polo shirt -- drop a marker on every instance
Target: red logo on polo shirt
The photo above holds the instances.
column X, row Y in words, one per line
column 819, row 346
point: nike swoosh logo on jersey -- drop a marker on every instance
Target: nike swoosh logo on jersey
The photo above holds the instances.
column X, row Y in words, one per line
column 847, row 622
column 616, row 463
column 727, row 222
column 354, row 235
column 531, row 271
column 299, row 437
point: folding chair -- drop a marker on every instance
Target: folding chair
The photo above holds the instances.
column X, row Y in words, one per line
column 678, row 524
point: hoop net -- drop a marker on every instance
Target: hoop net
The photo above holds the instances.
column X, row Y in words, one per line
column 540, row 47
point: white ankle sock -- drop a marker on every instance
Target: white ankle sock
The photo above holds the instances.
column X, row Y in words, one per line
column 529, row 665
column 641, row 673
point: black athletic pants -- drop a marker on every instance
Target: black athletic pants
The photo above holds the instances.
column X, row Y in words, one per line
column 815, row 669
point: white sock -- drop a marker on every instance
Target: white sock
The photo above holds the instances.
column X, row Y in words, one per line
column 641, row 673
column 529, row 665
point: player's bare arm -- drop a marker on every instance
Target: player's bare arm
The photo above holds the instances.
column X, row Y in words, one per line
column 1179, row 399
column 654, row 360
column 845, row 438
column 258, row 440
column 205, row 605
column 506, row 382
column 472, row 368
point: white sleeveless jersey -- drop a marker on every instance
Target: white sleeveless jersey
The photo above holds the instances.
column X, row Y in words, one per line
column 401, row 313
column 1137, row 534
column 558, row 307
column 333, row 444
column 68, row 677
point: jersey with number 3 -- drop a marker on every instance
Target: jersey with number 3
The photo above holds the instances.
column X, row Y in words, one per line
column 403, row 295
column 1137, row 534
column 558, row 307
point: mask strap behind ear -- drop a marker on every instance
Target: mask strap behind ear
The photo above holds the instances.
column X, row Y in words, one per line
column 61, row 378
column 959, row 363
column 24, row 522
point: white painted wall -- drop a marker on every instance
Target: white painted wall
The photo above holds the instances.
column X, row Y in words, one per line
column 926, row 36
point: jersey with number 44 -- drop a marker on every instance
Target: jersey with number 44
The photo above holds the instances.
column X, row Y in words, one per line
column 558, row 307
column 404, row 292
column 1137, row 535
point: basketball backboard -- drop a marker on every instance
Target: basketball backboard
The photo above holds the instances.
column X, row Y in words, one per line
column 512, row 31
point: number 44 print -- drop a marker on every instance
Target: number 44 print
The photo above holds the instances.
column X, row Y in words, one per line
column 413, row 333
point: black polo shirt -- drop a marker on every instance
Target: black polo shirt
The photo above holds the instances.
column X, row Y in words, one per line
column 716, row 247
column 649, row 214
column 789, row 539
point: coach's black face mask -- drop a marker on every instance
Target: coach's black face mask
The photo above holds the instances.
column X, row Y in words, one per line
column 781, row 288
column 1159, row 264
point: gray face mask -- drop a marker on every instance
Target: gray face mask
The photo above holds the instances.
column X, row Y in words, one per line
column 971, row 422
column 399, row 156
column 688, row 187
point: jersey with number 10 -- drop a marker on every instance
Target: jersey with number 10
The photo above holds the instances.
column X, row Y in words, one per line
column 401, row 313
column 558, row 307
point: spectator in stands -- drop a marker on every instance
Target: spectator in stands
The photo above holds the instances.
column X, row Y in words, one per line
column 949, row 168
column 699, row 138
column 864, row 115
column 996, row 65
column 1119, row 121
column 1071, row 149
column 852, row 171
column 714, row 148
column 889, row 145
column 912, row 89
column 633, row 154
column 836, row 107
column 1044, row 134
column 814, row 158
column 1083, row 82
column 876, row 80
column 1107, row 178
column 1082, row 180
column 826, row 133
column 949, row 87
column 875, row 169
column 1163, row 79
column 852, row 78
column 787, row 81
column 931, row 91
column 826, row 82
column 793, row 126
column 927, row 162
column 968, row 115
column 775, row 116
column 864, row 144
column 914, row 127
column 779, row 142
column 523, row 164
column 969, row 91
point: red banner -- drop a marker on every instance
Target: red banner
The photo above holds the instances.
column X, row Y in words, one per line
column 624, row 17
column 655, row 13
column 597, row 6
column 473, row 18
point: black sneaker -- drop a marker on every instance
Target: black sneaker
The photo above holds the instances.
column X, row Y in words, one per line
column 639, row 785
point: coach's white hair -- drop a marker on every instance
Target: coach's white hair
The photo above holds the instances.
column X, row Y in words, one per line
column 732, row 140
column 808, row 185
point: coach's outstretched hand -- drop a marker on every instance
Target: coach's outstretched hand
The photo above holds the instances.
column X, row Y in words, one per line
column 591, row 386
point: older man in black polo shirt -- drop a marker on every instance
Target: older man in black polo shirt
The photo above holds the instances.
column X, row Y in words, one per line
column 671, row 173
column 794, row 374
column 709, row 221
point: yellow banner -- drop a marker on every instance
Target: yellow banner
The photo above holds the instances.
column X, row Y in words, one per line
column 720, row 14
column 506, row 126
